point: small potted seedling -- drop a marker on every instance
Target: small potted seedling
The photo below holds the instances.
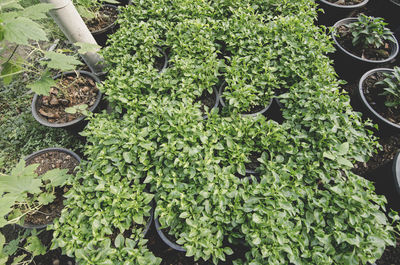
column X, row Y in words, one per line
column 53, row 95
column 388, row 9
column 99, row 16
column 333, row 10
column 379, row 92
column 31, row 195
column 362, row 43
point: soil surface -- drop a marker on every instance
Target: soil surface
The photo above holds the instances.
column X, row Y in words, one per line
column 391, row 255
column 345, row 38
column 48, row 161
column 254, row 164
column 70, row 91
column 346, row 2
column 53, row 257
column 105, row 17
column 377, row 101
column 208, row 100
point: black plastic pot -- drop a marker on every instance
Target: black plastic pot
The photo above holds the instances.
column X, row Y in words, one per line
column 33, row 155
column 350, row 66
column 165, row 60
column 101, row 36
column 386, row 127
column 123, row 2
column 389, row 10
column 387, row 181
column 75, row 125
column 265, row 111
column 165, row 238
column 334, row 12
column 216, row 104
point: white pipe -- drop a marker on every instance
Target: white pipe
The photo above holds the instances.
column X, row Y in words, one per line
column 70, row 22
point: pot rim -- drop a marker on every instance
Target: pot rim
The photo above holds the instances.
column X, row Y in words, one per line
column 221, row 100
column 34, row 154
column 363, row 3
column 43, row 120
column 100, row 31
column 165, row 66
column 396, row 172
column 364, row 100
column 165, row 239
column 394, row 3
column 345, row 21
column 216, row 104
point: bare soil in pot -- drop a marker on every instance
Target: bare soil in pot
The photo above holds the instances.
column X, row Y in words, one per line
column 391, row 255
column 70, row 91
column 207, row 99
column 345, row 38
column 105, row 17
column 346, row 2
column 48, row 161
column 373, row 95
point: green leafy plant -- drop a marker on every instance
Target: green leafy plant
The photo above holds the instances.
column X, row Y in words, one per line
column 301, row 206
column 370, row 31
column 23, row 193
column 391, row 87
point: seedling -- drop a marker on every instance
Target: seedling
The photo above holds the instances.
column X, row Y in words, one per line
column 391, row 86
column 370, row 31
column 23, row 193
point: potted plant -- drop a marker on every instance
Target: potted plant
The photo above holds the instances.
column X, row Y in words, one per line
column 333, row 10
column 362, row 43
column 100, row 17
column 388, row 9
column 118, row 217
column 32, row 195
column 74, row 88
column 379, row 94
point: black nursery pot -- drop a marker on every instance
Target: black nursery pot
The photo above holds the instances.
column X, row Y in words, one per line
column 334, row 12
column 101, row 36
column 350, row 66
column 35, row 154
column 165, row 238
column 123, row 2
column 387, row 181
column 386, row 127
column 389, row 10
column 75, row 125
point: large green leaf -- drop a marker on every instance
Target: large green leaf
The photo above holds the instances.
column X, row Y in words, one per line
column 37, row 11
column 61, row 61
column 22, row 179
column 21, row 29
column 43, row 85
column 57, row 177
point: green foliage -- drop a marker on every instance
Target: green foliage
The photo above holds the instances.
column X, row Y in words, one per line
column 391, row 87
column 22, row 193
column 302, row 205
column 21, row 133
column 369, row 31
column 19, row 27
column 107, row 225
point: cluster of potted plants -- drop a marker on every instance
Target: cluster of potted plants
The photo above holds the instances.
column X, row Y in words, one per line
column 285, row 191
column 365, row 48
column 189, row 140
